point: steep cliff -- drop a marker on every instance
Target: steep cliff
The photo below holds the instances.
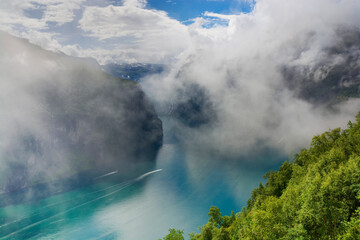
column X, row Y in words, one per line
column 63, row 118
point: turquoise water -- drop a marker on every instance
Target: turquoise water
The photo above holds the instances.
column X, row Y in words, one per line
column 178, row 196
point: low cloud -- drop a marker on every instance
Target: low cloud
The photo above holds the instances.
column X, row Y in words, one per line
column 259, row 75
column 239, row 67
column 62, row 117
column 141, row 34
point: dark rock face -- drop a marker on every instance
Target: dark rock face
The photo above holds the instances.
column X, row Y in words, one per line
column 336, row 77
column 194, row 108
column 64, row 119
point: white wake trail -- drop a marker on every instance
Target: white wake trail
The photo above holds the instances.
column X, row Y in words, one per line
column 125, row 184
column 147, row 174
column 107, row 174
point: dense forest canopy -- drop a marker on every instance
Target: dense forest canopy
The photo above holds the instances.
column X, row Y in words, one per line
column 315, row 196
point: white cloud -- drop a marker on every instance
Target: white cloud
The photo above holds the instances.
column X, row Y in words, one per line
column 12, row 14
column 57, row 11
column 121, row 21
column 150, row 35
column 235, row 58
column 135, row 3
column 60, row 12
column 33, row 20
column 239, row 65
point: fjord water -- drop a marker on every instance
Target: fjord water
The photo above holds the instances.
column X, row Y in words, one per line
column 177, row 194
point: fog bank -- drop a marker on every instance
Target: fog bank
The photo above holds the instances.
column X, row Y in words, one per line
column 62, row 116
column 267, row 80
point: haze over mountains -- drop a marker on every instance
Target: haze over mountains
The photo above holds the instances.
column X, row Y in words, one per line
column 270, row 79
column 63, row 116
column 242, row 91
column 236, row 84
column 133, row 71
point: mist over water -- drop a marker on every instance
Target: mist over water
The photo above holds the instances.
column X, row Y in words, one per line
column 237, row 99
column 177, row 196
column 268, row 80
column 63, row 120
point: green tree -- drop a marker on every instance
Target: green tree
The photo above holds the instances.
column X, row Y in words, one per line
column 215, row 216
column 222, row 234
column 207, row 232
column 174, row 235
column 228, row 220
column 316, row 196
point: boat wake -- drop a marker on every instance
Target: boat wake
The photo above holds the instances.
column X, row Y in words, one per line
column 147, row 174
column 78, row 203
column 107, row 174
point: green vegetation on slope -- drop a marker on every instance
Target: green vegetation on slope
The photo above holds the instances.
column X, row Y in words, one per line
column 316, row 196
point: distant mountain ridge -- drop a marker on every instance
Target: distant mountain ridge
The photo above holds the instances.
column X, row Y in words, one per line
column 132, row 71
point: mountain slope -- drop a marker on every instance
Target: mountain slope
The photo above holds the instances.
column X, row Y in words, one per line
column 335, row 77
column 62, row 116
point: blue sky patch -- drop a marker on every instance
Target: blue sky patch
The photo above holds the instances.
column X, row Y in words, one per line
column 36, row 12
column 184, row 10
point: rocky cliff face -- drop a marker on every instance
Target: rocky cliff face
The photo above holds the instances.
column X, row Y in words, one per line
column 63, row 118
column 335, row 76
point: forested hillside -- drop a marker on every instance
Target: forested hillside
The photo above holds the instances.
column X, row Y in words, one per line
column 315, row 196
